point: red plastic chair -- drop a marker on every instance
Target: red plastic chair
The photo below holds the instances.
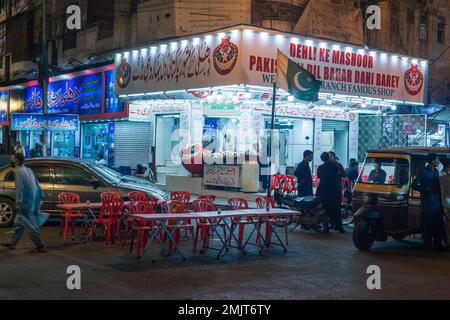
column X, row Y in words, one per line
column 110, row 217
column 141, row 228
column 275, row 182
column 174, row 206
column 239, row 204
column 69, row 218
column 264, row 203
column 137, row 196
column 183, row 196
column 108, row 196
column 365, row 178
column 204, row 225
column 140, row 207
column 289, row 185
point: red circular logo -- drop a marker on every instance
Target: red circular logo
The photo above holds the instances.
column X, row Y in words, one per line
column 352, row 116
column 123, row 74
column 414, row 80
column 225, row 56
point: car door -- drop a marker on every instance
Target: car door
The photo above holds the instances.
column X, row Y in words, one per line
column 77, row 180
column 45, row 178
column 44, row 175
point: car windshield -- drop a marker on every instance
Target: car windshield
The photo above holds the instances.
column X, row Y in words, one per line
column 106, row 173
column 387, row 171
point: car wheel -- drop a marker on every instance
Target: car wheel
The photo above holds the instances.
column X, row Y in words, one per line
column 362, row 238
column 7, row 212
column 399, row 237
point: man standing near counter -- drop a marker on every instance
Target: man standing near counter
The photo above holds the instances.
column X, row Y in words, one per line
column 304, row 176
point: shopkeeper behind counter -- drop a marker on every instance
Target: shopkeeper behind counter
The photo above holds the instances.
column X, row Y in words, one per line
column 227, row 144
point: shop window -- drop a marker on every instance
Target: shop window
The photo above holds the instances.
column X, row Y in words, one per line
column 96, row 139
column 441, row 30
column 395, row 21
column 71, row 176
column 410, row 16
column 220, row 135
column 423, row 27
column 63, row 144
column 292, row 137
column 69, row 40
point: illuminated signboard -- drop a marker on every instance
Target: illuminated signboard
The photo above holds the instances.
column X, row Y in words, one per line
column 81, row 95
column 37, row 122
column 112, row 103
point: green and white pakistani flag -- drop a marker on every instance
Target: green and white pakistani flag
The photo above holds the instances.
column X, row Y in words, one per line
column 298, row 81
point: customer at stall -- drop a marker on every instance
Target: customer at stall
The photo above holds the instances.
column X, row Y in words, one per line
column 264, row 162
column 352, row 171
column 430, row 200
column 100, row 160
column 28, row 201
column 36, row 152
column 335, row 161
column 304, row 176
column 329, row 192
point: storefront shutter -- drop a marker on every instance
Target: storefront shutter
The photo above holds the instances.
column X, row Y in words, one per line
column 332, row 125
column 132, row 144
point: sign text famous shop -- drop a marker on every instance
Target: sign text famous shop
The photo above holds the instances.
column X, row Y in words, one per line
column 248, row 56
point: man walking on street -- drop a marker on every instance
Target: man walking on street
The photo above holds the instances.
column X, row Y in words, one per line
column 303, row 174
column 28, row 201
column 329, row 191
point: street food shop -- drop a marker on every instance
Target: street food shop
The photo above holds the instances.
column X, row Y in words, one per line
column 208, row 99
column 102, row 126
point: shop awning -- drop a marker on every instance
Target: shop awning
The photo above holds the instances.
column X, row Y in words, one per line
column 246, row 56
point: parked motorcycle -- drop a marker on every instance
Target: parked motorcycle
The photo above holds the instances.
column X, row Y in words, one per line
column 312, row 213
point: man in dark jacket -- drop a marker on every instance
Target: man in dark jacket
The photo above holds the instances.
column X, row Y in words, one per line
column 303, row 174
column 329, row 190
column 431, row 205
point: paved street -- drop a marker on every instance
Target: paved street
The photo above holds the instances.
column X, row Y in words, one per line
column 317, row 267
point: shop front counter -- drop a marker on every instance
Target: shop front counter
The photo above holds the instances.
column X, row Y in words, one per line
column 244, row 177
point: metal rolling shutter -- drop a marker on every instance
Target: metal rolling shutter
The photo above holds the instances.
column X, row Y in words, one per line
column 331, row 125
column 132, row 144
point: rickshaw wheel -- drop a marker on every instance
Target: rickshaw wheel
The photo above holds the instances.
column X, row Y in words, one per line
column 362, row 238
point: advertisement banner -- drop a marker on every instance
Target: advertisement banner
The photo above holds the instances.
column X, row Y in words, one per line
column 198, row 63
column 249, row 57
column 342, row 69
column 3, row 106
column 222, row 176
column 140, row 113
column 81, row 95
column 36, row 122
column 112, row 103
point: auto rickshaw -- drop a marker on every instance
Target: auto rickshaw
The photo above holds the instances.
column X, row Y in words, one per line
column 383, row 198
